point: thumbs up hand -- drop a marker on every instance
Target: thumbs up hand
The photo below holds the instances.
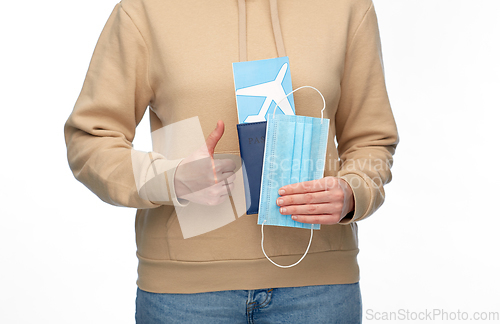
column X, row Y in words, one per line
column 201, row 179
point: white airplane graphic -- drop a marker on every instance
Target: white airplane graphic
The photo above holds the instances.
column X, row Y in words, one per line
column 273, row 91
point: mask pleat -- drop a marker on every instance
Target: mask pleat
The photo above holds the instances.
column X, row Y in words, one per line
column 316, row 135
column 286, row 131
column 305, row 174
column 297, row 150
column 269, row 183
column 321, row 138
column 281, row 162
column 287, row 163
column 296, row 156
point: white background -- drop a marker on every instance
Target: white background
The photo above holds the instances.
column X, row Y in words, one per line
column 67, row 257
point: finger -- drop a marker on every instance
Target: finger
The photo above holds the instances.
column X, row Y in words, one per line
column 226, row 176
column 220, row 200
column 225, row 165
column 224, row 193
column 306, row 198
column 222, row 170
column 323, row 184
column 220, row 188
column 214, row 137
column 317, row 219
column 316, row 209
column 229, row 188
column 213, row 192
column 216, row 201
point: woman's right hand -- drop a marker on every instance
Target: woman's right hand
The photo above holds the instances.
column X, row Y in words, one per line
column 201, row 179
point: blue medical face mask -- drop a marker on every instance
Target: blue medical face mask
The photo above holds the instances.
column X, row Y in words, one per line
column 295, row 152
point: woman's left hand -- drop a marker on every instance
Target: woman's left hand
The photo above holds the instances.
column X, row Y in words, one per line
column 324, row 201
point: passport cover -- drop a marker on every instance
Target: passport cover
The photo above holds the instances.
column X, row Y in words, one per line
column 252, row 138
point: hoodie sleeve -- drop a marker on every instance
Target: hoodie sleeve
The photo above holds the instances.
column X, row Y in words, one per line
column 100, row 130
column 366, row 131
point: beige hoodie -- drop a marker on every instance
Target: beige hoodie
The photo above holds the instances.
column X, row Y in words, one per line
column 175, row 57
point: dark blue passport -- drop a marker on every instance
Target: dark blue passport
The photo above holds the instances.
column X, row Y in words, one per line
column 252, row 137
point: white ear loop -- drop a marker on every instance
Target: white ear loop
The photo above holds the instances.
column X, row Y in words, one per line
column 324, row 102
column 312, row 230
column 279, row 265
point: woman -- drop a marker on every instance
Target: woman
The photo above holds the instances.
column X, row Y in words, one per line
column 176, row 57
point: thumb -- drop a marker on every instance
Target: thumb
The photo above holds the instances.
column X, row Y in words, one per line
column 214, row 137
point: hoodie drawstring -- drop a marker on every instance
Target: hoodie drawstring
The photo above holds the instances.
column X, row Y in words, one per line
column 242, row 29
column 278, row 36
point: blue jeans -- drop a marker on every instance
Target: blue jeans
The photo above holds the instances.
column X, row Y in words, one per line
column 311, row 304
